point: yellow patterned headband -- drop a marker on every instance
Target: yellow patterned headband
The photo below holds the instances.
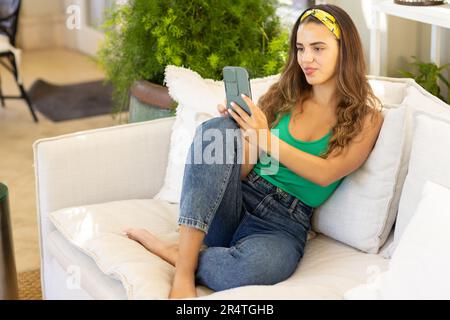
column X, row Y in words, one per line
column 327, row 19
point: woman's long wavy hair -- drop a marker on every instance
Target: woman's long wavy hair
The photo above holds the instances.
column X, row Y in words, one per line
column 358, row 99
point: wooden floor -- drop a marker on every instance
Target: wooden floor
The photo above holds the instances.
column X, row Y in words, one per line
column 18, row 132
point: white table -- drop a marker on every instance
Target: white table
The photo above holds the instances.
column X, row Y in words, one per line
column 437, row 16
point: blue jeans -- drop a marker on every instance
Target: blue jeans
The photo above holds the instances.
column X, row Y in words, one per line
column 255, row 232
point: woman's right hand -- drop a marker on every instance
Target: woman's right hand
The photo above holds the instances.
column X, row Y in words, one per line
column 246, row 167
column 222, row 109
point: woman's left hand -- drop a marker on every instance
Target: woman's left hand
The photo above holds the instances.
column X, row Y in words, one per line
column 256, row 124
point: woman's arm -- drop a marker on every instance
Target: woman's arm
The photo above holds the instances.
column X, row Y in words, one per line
column 326, row 171
column 316, row 169
column 250, row 155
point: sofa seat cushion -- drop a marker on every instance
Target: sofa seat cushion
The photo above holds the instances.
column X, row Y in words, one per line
column 327, row 270
column 96, row 230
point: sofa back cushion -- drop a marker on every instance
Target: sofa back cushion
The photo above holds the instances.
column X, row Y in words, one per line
column 419, row 267
column 390, row 91
column 417, row 101
column 429, row 160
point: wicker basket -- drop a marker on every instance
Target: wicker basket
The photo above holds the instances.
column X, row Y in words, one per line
column 419, row 2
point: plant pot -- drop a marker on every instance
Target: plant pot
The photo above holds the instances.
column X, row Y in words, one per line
column 149, row 101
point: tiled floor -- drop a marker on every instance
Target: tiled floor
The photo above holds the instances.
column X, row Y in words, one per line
column 18, row 132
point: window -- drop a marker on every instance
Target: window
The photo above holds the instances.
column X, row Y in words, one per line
column 97, row 10
column 290, row 10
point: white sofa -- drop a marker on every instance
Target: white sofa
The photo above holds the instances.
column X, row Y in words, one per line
column 122, row 168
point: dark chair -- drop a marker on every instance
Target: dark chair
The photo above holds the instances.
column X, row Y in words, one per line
column 9, row 54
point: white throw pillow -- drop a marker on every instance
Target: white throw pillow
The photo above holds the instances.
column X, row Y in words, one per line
column 419, row 268
column 197, row 102
column 429, row 160
column 362, row 210
column 418, row 100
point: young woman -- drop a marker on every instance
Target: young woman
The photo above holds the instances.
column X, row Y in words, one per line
column 324, row 119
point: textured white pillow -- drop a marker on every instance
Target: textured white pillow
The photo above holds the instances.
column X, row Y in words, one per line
column 197, row 102
column 417, row 100
column 429, row 160
column 362, row 210
column 419, row 268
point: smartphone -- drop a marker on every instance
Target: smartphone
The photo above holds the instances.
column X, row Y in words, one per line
column 237, row 81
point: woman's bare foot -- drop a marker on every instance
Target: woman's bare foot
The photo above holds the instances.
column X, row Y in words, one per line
column 183, row 287
column 167, row 252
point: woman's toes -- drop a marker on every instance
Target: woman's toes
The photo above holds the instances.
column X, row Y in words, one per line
column 136, row 234
column 127, row 232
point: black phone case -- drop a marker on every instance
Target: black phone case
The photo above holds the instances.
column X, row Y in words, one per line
column 237, row 81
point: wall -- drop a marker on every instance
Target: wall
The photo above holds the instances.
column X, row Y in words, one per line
column 404, row 38
column 41, row 24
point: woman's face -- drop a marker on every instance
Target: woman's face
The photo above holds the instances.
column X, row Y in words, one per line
column 317, row 52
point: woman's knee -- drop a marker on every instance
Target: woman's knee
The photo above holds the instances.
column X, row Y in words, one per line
column 226, row 268
column 266, row 261
column 221, row 134
column 220, row 123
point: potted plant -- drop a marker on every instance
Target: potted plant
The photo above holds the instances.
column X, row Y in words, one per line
column 427, row 76
column 142, row 37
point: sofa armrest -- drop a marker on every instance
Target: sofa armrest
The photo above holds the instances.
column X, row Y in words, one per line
column 116, row 163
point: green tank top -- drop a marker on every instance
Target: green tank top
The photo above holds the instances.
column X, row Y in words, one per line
column 308, row 192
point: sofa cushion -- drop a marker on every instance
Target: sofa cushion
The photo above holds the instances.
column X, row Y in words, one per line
column 417, row 100
column 429, row 160
column 361, row 211
column 327, row 270
column 419, row 267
